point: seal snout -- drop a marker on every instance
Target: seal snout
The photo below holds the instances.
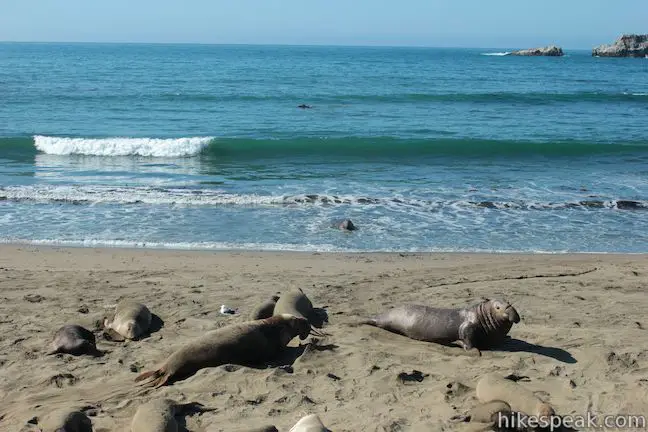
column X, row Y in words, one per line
column 512, row 314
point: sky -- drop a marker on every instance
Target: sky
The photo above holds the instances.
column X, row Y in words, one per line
column 576, row 24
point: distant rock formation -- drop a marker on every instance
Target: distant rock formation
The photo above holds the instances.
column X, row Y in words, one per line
column 629, row 45
column 551, row 51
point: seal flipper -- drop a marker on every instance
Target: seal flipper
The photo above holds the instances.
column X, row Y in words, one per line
column 160, row 377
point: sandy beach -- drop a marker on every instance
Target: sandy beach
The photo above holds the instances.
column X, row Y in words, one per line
column 581, row 341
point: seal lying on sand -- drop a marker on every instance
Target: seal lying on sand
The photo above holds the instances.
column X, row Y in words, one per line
column 65, row 420
column 158, row 415
column 479, row 326
column 74, row 339
column 265, row 309
column 494, row 387
column 250, row 342
column 309, row 423
column 130, row 321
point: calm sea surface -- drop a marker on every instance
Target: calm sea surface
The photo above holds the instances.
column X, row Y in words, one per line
column 197, row 146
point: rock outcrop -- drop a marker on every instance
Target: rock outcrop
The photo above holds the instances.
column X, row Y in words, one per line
column 551, row 51
column 629, row 45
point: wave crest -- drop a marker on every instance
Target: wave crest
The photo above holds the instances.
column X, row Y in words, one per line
column 156, row 147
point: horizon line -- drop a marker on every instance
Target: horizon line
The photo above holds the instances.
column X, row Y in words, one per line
column 347, row 45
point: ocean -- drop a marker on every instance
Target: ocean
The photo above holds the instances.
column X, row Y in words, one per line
column 204, row 147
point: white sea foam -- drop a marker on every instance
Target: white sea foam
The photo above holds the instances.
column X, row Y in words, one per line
column 498, row 54
column 155, row 147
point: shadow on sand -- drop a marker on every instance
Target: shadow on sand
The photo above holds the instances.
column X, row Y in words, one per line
column 518, row 345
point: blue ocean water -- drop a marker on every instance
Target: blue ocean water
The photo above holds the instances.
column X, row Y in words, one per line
column 200, row 146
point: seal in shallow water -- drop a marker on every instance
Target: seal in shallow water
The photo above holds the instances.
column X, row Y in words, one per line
column 250, row 342
column 131, row 320
column 74, row 339
column 480, row 326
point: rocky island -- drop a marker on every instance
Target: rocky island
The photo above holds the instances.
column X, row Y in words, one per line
column 628, row 45
column 551, row 51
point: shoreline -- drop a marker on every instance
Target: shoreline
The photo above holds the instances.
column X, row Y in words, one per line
column 75, row 246
column 581, row 340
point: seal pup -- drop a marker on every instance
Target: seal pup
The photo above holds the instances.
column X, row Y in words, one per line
column 265, row 309
column 480, row 326
column 158, row 415
column 250, row 342
column 74, row 339
column 296, row 303
column 65, row 420
column 131, row 320
column 309, row 423
column 494, row 387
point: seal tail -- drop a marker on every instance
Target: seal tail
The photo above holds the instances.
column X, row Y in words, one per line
column 160, row 377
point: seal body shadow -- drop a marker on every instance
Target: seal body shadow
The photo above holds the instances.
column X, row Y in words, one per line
column 65, row 420
column 247, row 343
column 131, row 320
column 75, row 340
column 480, row 326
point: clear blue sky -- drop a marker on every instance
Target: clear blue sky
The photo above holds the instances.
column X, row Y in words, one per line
column 443, row 23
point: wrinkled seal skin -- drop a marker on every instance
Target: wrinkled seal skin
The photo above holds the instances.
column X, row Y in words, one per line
column 480, row 326
column 157, row 415
column 294, row 303
column 74, row 339
column 265, row 309
column 131, row 320
column 250, row 342
column 494, row 387
column 66, row 421
column 309, row 423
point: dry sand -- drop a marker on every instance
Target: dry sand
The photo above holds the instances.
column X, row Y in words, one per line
column 582, row 339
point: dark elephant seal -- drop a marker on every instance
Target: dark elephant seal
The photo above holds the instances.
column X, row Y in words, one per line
column 345, row 225
column 131, row 320
column 65, row 420
column 265, row 309
column 158, row 415
column 479, row 326
column 309, row 423
column 74, row 339
column 250, row 342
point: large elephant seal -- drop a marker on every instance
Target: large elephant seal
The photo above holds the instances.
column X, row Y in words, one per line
column 131, row 320
column 65, row 420
column 479, row 326
column 309, row 423
column 265, row 309
column 250, row 342
column 74, row 339
column 158, row 415
column 296, row 303
column 494, row 387
column 345, row 225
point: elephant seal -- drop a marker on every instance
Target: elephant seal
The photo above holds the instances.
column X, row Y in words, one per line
column 65, row 420
column 489, row 412
column 494, row 387
column 265, row 309
column 158, row 415
column 250, row 342
column 74, row 339
column 480, row 326
column 309, row 423
column 296, row 303
column 345, row 225
column 130, row 321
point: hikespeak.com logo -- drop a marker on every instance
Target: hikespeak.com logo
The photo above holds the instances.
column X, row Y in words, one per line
column 555, row 423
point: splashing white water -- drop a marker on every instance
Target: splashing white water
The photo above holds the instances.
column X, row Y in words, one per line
column 499, row 54
column 155, row 147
